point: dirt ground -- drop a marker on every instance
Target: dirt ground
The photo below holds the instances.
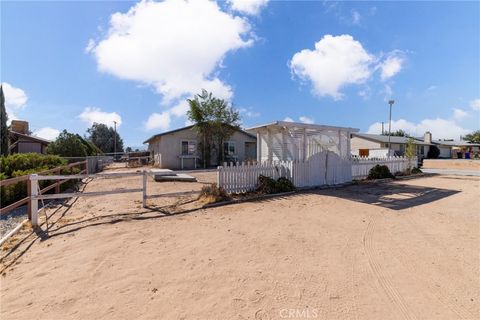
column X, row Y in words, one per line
column 407, row 249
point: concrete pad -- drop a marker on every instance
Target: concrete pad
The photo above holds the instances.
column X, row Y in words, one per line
column 178, row 177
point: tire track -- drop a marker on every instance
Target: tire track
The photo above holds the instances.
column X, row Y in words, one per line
column 460, row 311
column 382, row 275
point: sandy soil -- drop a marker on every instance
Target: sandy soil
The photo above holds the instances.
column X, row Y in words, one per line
column 401, row 250
column 459, row 164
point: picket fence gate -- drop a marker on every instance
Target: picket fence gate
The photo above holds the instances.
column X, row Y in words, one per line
column 323, row 168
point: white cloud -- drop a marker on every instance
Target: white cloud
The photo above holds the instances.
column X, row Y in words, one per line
column 92, row 115
column 176, row 46
column 391, row 65
column 248, row 113
column 440, row 128
column 158, row 121
column 251, row 7
column 90, row 46
column 47, row 133
column 356, row 17
column 302, row 119
column 15, row 99
column 475, row 104
column 335, row 62
column 338, row 61
column 307, row 120
column 459, row 114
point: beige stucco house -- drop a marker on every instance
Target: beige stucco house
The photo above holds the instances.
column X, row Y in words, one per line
column 178, row 149
column 376, row 145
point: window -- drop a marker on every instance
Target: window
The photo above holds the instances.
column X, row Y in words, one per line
column 189, row 148
column 229, row 148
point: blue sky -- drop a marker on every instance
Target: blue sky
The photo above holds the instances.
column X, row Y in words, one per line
column 67, row 64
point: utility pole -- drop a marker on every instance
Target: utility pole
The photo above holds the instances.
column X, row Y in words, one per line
column 383, row 131
column 115, row 141
column 390, row 102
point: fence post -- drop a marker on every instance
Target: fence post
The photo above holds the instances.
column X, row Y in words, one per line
column 57, row 183
column 144, row 198
column 33, row 182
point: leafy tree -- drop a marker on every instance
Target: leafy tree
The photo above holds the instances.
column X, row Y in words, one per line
column 473, row 137
column 3, row 125
column 398, row 133
column 104, row 138
column 215, row 121
column 128, row 149
column 68, row 145
column 433, row 152
column 410, row 152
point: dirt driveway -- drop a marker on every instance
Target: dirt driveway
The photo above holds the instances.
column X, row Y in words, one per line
column 401, row 250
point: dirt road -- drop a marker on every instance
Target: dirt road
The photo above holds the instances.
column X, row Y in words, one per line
column 401, row 250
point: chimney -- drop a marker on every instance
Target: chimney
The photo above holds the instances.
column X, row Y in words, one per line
column 427, row 138
column 20, row 126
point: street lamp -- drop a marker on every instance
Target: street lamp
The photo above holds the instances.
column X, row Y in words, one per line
column 390, row 102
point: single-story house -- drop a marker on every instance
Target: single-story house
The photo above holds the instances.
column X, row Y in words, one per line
column 285, row 141
column 376, row 145
column 178, row 149
column 21, row 141
column 457, row 149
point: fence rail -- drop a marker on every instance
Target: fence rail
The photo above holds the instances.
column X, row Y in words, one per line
column 35, row 196
column 323, row 168
column 82, row 165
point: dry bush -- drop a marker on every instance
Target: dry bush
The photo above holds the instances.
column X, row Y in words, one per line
column 212, row 193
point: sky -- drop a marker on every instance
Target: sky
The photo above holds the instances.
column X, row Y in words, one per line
column 67, row 64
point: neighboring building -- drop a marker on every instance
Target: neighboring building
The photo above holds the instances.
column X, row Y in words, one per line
column 178, row 149
column 284, row 141
column 376, row 145
column 21, row 141
column 457, row 149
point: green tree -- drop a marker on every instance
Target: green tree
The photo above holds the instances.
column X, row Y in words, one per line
column 398, row 133
column 410, row 152
column 68, row 145
column 104, row 138
column 3, row 125
column 215, row 121
column 473, row 137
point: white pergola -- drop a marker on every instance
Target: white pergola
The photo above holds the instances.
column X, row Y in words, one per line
column 286, row 141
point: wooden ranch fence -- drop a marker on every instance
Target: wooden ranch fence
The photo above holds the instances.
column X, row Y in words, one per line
column 36, row 196
column 82, row 165
column 323, row 168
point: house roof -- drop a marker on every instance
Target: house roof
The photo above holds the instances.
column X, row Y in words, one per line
column 29, row 137
column 186, row 128
column 456, row 143
column 384, row 139
column 289, row 124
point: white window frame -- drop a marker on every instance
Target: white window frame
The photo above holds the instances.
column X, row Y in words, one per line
column 228, row 148
column 189, row 143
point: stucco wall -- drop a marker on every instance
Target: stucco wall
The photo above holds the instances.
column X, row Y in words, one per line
column 360, row 143
column 167, row 149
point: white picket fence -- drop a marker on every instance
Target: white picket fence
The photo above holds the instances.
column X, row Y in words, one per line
column 361, row 166
column 324, row 168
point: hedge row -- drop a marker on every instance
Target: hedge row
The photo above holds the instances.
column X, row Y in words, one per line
column 17, row 165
